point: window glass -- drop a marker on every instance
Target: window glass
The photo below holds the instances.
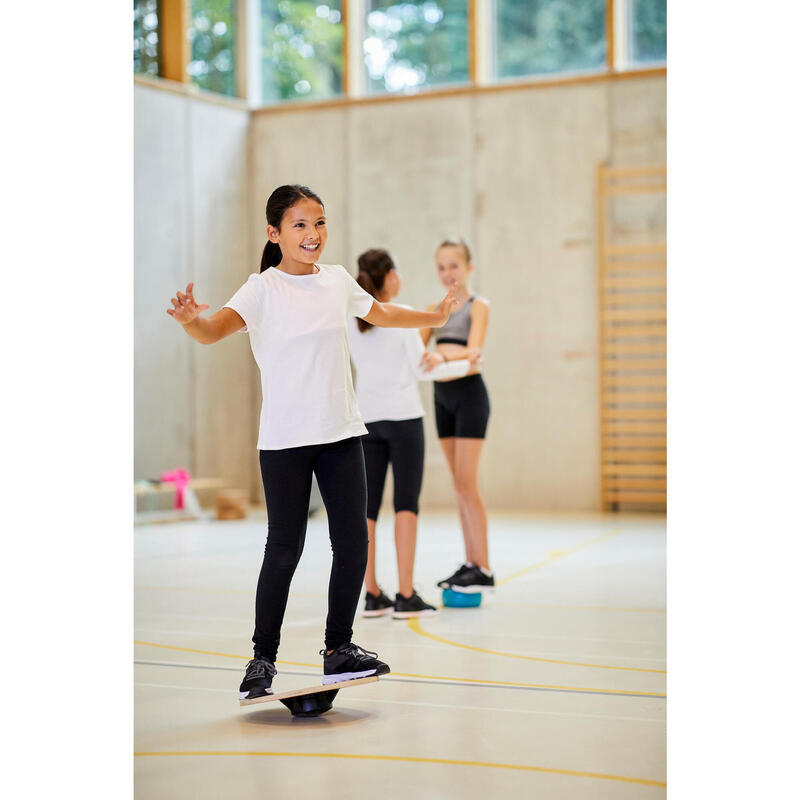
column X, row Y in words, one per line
column 212, row 33
column 535, row 37
column 411, row 45
column 145, row 36
column 648, row 31
column 301, row 50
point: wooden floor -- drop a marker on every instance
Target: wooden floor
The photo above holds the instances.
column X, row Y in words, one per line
column 554, row 688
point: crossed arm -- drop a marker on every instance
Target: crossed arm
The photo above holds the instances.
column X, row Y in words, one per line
column 479, row 322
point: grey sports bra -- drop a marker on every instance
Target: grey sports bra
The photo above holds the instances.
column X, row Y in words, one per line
column 456, row 329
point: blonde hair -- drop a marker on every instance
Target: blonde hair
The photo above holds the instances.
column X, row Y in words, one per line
column 457, row 242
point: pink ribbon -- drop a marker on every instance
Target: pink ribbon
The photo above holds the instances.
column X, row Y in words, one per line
column 181, row 478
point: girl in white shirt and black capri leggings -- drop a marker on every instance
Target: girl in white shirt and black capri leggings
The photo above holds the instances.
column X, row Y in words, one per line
column 295, row 312
column 388, row 365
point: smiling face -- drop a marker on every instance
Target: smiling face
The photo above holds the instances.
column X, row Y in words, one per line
column 452, row 265
column 302, row 233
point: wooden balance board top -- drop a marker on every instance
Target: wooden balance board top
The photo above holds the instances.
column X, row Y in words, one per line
column 310, row 690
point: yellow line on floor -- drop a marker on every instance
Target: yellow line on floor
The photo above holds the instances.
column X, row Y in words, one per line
column 414, row 625
column 414, row 760
column 556, row 555
column 221, row 655
column 419, row 677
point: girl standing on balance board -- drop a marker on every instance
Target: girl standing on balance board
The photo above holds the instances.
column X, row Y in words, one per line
column 295, row 312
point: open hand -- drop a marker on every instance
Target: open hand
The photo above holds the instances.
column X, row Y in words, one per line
column 448, row 305
column 185, row 308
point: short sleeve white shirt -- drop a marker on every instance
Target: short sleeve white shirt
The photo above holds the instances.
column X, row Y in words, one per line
column 298, row 334
column 387, row 362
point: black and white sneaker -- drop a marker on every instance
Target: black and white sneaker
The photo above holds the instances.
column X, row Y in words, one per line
column 257, row 679
column 376, row 605
column 348, row 662
column 414, row 606
column 445, row 584
column 472, row 581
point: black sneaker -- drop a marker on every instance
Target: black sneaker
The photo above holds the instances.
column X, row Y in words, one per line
column 414, row 606
column 348, row 662
column 472, row 581
column 257, row 679
column 376, row 605
column 445, row 584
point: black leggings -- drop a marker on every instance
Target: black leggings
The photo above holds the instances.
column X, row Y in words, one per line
column 403, row 443
column 286, row 474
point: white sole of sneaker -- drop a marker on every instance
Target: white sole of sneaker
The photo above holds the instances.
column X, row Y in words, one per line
column 346, row 676
column 380, row 613
column 243, row 695
column 431, row 612
column 471, row 589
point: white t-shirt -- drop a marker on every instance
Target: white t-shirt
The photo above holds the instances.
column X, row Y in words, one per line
column 298, row 334
column 387, row 362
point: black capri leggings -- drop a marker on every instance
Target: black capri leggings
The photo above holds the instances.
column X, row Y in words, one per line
column 286, row 474
column 403, row 443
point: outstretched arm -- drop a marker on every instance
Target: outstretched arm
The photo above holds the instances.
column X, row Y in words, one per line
column 385, row 315
column 426, row 333
column 206, row 331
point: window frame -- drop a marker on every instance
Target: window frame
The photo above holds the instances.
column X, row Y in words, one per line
column 175, row 17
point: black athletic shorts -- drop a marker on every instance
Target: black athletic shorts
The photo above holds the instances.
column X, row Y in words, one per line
column 403, row 443
column 462, row 407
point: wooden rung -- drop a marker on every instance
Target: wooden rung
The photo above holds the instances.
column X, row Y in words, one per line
column 634, row 314
column 654, row 442
column 636, row 381
column 634, row 469
column 634, row 298
column 635, row 282
column 654, row 348
column 615, row 267
column 633, row 249
column 621, row 496
column 610, row 484
column 622, row 334
column 634, row 456
column 627, row 364
column 630, row 172
column 634, row 427
column 650, row 398
column 644, row 188
column 635, row 413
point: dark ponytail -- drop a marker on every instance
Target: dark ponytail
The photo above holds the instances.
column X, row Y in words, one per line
column 271, row 256
column 279, row 202
column 373, row 267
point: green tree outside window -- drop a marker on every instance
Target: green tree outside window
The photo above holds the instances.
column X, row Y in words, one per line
column 212, row 33
column 535, row 37
column 301, row 50
column 145, row 37
column 411, row 45
column 648, row 40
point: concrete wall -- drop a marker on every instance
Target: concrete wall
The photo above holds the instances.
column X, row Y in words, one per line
column 513, row 172
column 193, row 404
